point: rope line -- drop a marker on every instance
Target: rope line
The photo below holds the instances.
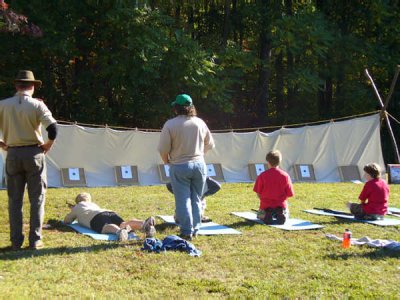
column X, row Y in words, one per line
column 229, row 130
column 397, row 121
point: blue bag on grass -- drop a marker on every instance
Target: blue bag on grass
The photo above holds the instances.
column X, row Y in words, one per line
column 171, row 242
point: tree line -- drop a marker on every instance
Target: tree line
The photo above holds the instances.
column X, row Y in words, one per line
column 246, row 63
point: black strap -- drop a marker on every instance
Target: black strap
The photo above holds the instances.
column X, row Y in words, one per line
column 52, row 131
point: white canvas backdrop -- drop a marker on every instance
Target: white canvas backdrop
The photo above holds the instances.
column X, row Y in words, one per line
column 99, row 150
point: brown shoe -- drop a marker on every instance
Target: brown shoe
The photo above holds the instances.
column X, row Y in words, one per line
column 16, row 247
column 148, row 227
column 37, row 245
column 280, row 216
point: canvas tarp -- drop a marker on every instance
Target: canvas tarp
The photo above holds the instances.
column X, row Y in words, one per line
column 327, row 146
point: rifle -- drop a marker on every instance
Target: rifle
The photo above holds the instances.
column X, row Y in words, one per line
column 327, row 210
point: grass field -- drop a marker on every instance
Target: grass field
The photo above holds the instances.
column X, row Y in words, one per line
column 263, row 261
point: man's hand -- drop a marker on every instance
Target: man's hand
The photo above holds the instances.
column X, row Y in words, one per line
column 165, row 158
column 3, row 145
column 47, row 146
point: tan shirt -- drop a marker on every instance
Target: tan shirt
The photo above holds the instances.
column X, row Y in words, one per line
column 185, row 139
column 84, row 212
column 20, row 120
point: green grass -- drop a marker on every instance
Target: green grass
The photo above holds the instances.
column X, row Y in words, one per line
column 263, row 261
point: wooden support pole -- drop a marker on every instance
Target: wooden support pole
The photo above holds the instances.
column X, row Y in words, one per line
column 392, row 86
column 383, row 111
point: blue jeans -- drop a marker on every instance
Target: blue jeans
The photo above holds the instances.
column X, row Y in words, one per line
column 188, row 183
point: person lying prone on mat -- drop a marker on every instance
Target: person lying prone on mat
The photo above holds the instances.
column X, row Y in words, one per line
column 273, row 188
column 212, row 186
column 90, row 215
column 374, row 196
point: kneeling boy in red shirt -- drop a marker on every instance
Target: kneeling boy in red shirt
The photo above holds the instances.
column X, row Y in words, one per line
column 273, row 187
column 374, row 196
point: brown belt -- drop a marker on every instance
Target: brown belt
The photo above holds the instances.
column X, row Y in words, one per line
column 24, row 146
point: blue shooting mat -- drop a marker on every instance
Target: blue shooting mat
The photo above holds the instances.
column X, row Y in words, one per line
column 384, row 222
column 209, row 228
column 394, row 210
column 290, row 224
column 99, row 236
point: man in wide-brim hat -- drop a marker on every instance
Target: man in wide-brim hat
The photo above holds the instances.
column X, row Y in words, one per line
column 21, row 117
column 26, row 76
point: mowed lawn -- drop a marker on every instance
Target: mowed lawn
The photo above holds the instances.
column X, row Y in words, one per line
column 262, row 261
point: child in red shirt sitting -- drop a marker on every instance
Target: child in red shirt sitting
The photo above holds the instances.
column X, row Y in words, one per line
column 374, row 196
column 273, row 187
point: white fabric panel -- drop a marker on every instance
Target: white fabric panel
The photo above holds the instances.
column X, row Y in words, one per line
column 358, row 142
column 98, row 151
column 327, row 146
column 233, row 152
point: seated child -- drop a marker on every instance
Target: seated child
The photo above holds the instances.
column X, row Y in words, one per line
column 212, row 186
column 273, row 187
column 90, row 215
column 374, row 196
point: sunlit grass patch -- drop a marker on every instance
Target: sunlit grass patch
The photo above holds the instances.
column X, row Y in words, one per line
column 262, row 261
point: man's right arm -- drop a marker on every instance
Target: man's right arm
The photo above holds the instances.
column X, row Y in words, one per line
column 164, row 145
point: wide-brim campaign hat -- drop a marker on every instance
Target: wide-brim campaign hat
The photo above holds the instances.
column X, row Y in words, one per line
column 27, row 76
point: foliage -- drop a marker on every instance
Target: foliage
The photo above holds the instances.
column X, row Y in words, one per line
column 16, row 23
column 246, row 63
column 262, row 262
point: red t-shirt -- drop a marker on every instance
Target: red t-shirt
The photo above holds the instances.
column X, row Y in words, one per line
column 376, row 191
column 274, row 187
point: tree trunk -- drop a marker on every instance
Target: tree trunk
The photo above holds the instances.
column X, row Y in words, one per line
column 191, row 19
column 262, row 95
column 178, row 13
column 290, row 60
column 234, row 20
column 279, row 87
column 227, row 22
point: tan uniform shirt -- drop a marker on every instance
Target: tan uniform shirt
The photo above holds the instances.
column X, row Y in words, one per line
column 20, row 120
column 185, row 139
column 84, row 212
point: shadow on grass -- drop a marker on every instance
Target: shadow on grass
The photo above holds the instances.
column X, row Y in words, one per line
column 7, row 254
column 164, row 226
column 374, row 254
column 242, row 224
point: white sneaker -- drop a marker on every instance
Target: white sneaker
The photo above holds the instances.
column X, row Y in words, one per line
column 122, row 235
column 148, row 227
